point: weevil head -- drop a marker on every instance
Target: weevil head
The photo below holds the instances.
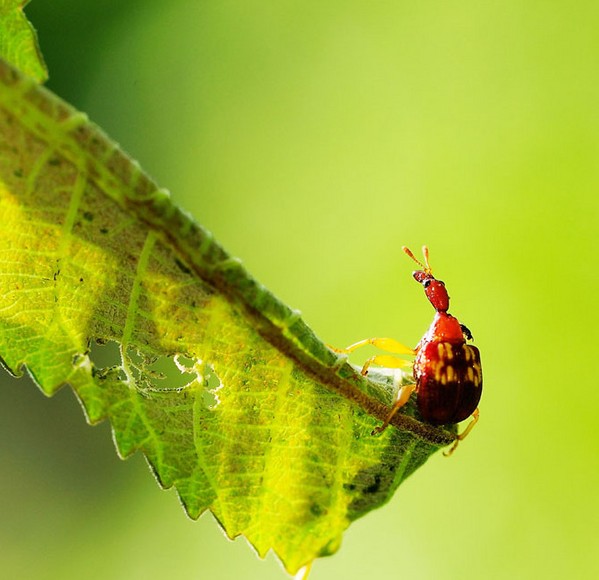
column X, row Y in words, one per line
column 434, row 289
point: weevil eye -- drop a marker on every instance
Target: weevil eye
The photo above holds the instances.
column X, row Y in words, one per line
column 428, row 281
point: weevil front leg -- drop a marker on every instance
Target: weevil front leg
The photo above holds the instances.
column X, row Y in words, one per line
column 384, row 360
column 403, row 396
column 463, row 435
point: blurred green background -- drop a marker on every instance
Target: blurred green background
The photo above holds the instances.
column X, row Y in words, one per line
column 314, row 139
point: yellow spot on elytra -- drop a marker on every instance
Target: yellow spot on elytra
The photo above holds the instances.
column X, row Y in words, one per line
column 438, row 371
column 477, row 375
column 450, row 374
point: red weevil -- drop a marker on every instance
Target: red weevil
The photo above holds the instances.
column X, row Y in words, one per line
column 447, row 370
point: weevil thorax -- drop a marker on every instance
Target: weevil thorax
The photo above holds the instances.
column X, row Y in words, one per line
column 444, row 328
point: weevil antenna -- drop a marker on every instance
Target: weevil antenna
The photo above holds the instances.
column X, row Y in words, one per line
column 428, row 269
column 426, row 266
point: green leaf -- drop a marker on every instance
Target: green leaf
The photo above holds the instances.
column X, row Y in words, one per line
column 107, row 286
column 18, row 40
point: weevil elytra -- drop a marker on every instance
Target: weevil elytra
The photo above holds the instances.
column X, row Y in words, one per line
column 447, row 370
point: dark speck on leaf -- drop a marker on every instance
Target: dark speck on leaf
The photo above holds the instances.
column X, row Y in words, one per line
column 375, row 486
column 316, row 510
column 182, row 266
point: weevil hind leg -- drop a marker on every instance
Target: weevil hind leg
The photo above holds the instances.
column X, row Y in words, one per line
column 403, row 397
column 462, row 436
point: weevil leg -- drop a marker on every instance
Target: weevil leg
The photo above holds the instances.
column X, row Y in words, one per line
column 387, row 344
column 385, row 360
column 403, row 395
column 463, row 435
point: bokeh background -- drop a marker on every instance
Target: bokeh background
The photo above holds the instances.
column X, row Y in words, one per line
column 314, row 139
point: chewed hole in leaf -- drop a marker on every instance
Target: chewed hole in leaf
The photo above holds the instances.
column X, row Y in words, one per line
column 212, row 385
column 104, row 358
column 104, row 353
column 142, row 371
column 151, row 373
column 205, row 375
